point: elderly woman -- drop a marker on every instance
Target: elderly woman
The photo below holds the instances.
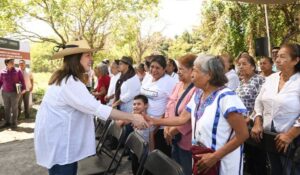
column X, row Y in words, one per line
column 216, row 115
column 64, row 128
column 250, row 83
column 248, row 90
column 181, row 95
column 158, row 89
column 103, row 82
column 277, row 106
column 266, row 65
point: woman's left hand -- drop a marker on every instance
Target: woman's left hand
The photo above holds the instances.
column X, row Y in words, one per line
column 207, row 161
column 283, row 141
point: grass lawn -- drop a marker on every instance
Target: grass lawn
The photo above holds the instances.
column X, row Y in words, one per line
column 41, row 81
column 40, row 86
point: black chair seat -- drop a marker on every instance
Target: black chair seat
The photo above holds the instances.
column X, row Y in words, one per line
column 158, row 163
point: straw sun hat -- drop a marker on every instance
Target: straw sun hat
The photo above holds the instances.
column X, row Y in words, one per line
column 73, row 47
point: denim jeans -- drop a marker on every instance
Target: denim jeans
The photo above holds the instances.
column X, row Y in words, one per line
column 68, row 169
column 183, row 158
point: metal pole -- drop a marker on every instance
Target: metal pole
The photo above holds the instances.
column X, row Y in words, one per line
column 268, row 31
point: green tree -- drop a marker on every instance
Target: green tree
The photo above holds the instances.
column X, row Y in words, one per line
column 80, row 19
column 8, row 17
column 180, row 46
column 41, row 54
column 232, row 27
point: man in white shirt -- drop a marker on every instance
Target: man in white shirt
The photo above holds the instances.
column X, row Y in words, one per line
column 28, row 78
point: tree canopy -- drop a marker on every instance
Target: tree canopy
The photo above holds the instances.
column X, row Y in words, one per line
column 115, row 27
column 232, row 27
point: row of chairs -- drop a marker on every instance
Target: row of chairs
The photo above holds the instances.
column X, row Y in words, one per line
column 268, row 145
column 106, row 161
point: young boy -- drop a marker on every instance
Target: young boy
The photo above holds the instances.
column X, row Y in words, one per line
column 140, row 105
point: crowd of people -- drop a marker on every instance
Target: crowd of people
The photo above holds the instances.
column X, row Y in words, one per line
column 198, row 110
column 17, row 85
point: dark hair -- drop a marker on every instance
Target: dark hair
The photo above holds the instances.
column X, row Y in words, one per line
column 6, row 61
column 71, row 67
column 214, row 66
column 294, row 54
column 23, row 61
column 187, row 60
column 141, row 67
column 141, row 97
column 174, row 64
column 148, row 60
column 275, row 47
column 116, row 62
column 249, row 59
column 230, row 59
column 160, row 59
column 268, row 58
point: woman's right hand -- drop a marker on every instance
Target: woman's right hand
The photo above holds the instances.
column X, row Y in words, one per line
column 257, row 130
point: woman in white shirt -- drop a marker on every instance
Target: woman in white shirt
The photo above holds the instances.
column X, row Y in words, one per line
column 277, row 106
column 127, row 87
column 115, row 75
column 158, row 89
column 172, row 69
column 64, row 132
column 233, row 78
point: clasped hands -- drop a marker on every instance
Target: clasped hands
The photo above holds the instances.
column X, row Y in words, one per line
column 141, row 121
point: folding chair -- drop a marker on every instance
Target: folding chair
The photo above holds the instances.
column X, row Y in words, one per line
column 100, row 127
column 101, row 131
column 158, row 163
column 104, row 162
column 139, row 147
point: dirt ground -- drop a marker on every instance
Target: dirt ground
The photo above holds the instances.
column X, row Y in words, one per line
column 17, row 151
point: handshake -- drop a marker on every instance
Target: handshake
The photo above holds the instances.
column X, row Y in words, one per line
column 142, row 121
